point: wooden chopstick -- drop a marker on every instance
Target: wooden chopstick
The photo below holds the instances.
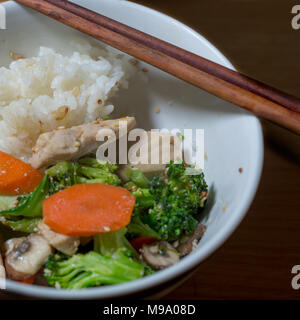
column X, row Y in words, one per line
column 187, row 57
column 178, row 62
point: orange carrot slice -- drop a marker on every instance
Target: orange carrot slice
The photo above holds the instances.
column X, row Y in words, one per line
column 88, row 209
column 16, row 176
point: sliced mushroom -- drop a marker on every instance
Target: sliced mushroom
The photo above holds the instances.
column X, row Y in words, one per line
column 160, row 255
column 188, row 243
column 65, row 244
column 2, row 270
column 25, row 256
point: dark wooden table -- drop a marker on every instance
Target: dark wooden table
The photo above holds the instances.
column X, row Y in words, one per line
column 256, row 262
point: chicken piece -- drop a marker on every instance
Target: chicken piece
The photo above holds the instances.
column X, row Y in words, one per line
column 163, row 143
column 65, row 244
column 72, row 143
column 25, row 256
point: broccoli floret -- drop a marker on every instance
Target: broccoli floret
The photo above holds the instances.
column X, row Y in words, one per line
column 110, row 242
column 138, row 228
column 62, row 175
column 178, row 199
column 92, row 269
column 87, row 170
column 144, row 199
column 30, row 205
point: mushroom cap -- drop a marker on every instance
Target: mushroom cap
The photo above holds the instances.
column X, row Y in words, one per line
column 188, row 243
column 160, row 254
column 25, row 256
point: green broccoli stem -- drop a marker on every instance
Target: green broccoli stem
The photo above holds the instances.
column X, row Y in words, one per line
column 92, row 269
column 137, row 177
column 144, row 199
column 138, row 228
column 109, row 243
column 60, row 169
column 94, row 163
column 96, row 175
column 28, row 225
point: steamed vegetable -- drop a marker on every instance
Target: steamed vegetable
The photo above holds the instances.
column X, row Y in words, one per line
column 88, row 209
column 87, row 170
column 178, row 199
column 31, row 205
column 110, row 242
column 26, row 225
column 144, row 199
column 167, row 208
column 138, row 228
column 91, row 269
column 16, row 176
column 137, row 177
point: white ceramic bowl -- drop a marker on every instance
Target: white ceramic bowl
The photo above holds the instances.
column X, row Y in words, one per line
column 233, row 137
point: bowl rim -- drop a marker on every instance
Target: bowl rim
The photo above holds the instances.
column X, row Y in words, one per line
column 192, row 260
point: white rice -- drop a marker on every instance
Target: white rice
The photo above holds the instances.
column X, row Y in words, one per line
column 42, row 93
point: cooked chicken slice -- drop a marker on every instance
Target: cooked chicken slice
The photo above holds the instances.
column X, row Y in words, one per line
column 65, row 244
column 163, row 143
column 25, row 256
column 72, row 143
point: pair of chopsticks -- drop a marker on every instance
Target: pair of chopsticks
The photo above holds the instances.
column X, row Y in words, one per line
column 254, row 96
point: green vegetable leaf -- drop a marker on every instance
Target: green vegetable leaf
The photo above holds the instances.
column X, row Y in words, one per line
column 23, row 225
column 31, row 206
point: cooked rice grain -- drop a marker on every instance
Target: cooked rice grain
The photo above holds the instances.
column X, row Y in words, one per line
column 51, row 90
